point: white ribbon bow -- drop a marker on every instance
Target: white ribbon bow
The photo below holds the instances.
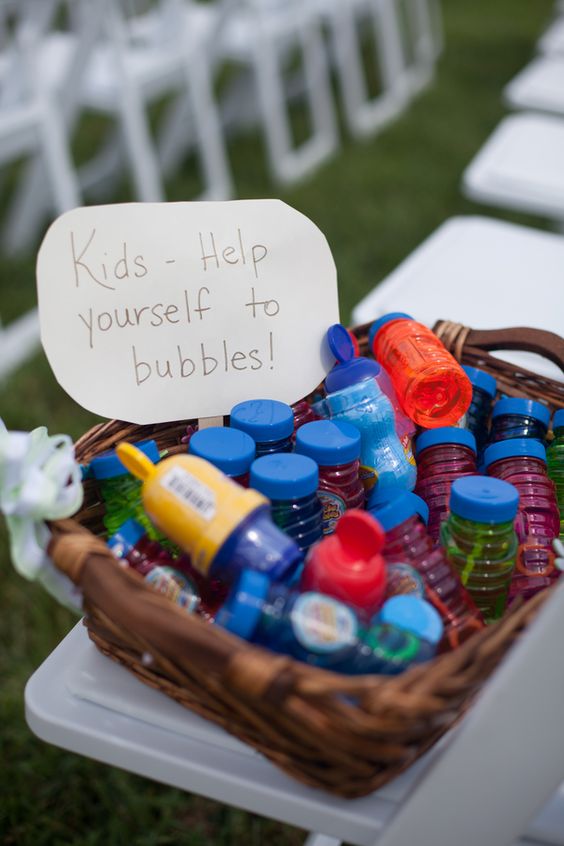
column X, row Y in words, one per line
column 39, row 480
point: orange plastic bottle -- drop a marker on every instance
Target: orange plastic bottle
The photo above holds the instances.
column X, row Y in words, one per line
column 431, row 386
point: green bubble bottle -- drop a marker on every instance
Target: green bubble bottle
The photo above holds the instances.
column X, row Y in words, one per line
column 479, row 539
column 555, row 463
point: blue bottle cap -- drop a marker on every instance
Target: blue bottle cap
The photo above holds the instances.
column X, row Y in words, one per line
column 445, row 435
column 329, row 442
column 263, row 419
column 107, row 464
column 350, row 369
column 284, row 475
column 529, row 447
column 241, row 612
column 397, row 511
column 413, row 614
column 558, row 419
column 526, row 407
column 129, row 533
column 481, row 379
column 484, row 499
column 231, row 450
column 386, row 318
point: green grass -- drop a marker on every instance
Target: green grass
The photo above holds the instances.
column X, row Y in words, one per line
column 375, row 202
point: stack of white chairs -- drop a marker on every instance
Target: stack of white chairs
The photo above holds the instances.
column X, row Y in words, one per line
column 521, row 165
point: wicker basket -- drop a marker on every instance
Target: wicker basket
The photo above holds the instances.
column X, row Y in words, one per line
column 347, row 735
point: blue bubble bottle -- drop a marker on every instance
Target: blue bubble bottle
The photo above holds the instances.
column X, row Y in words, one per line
column 484, row 388
column 269, row 423
column 230, row 450
column 290, row 482
column 316, row 629
column 515, row 417
column 354, row 396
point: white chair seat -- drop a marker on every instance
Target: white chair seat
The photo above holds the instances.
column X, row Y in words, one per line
column 539, row 86
column 553, row 39
column 484, row 273
column 521, row 166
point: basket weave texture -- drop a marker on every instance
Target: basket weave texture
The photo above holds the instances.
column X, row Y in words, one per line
column 348, row 735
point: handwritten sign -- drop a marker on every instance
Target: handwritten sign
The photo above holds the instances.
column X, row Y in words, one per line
column 157, row 312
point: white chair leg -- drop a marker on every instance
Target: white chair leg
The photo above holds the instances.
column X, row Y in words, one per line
column 207, row 125
column 421, row 26
column 289, row 164
column 141, row 153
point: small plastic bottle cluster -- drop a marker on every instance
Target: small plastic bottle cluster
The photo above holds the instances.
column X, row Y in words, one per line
column 297, row 528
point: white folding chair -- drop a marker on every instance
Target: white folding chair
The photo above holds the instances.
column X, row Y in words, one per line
column 539, row 86
column 552, row 41
column 366, row 114
column 423, row 42
column 521, row 167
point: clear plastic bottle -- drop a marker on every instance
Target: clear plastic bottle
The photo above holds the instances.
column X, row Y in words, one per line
column 290, row 483
column 335, row 447
column 354, row 396
column 120, row 491
column 522, row 463
column 484, row 389
column 555, row 462
column 442, row 456
column 316, row 629
column 222, row 526
column 348, row 564
column 480, row 541
column 270, row 424
column 407, row 541
column 130, row 543
column 230, row 450
column 431, row 386
column 515, row 417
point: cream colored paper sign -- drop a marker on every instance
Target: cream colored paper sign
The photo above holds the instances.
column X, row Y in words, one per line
column 156, row 312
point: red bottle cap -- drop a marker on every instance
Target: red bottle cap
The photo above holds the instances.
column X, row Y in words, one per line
column 348, row 564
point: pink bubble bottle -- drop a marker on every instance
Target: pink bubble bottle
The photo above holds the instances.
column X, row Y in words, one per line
column 442, row 456
column 522, row 462
column 407, row 541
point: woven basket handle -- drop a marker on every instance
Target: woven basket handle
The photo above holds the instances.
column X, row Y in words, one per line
column 547, row 344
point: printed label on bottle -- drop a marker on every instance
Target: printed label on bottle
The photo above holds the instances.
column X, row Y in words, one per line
column 333, row 508
column 406, row 444
column 174, row 586
column 368, row 476
column 191, row 491
column 322, row 624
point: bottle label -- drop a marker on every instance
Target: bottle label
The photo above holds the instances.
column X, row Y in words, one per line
column 406, row 444
column 368, row 476
column 403, row 578
column 333, row 508
column 191, row 491
column 174, row 586
column 321, row 624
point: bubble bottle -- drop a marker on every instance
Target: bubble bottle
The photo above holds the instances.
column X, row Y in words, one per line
column 316, row 629
column 290, row 482
column 348, row 564
column 555, row 462
column 522, row 463
column 431, row 386
column 442, row 455
column 120, row 491
column 222, row 526
column 130, row 543
column 515, row 417
column 412, row 614
column 407, row 542
column 230, row 450
column 484, row 388
column 354, row 396
column 269, row 423
column 303, row 413
column 335, row 447
column 480, row 541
